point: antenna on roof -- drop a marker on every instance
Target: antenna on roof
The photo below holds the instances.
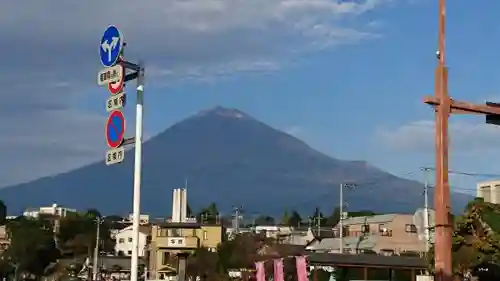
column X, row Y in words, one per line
column 185, row 183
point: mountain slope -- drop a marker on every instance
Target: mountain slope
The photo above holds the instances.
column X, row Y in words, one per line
column 230, row 158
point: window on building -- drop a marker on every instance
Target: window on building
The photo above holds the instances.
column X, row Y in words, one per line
column 164, row 258
column 387, row 232
column 205, row 235
column 411, row 228
column 129, row 252
column 121, row 240
column 130, row 239
column 365, row 228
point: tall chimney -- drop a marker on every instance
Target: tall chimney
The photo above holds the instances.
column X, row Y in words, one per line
column 175, row 206
column 183, row 204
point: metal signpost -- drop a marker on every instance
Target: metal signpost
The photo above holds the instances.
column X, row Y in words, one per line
column 114, row 76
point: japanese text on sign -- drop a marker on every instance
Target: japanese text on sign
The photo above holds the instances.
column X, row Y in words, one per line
column 109, row 75
column 114, row 156
column 177, row 242
column 115, row 102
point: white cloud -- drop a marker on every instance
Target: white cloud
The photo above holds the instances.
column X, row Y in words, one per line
column 51, row 60
column 295, row 131
column 465, row 137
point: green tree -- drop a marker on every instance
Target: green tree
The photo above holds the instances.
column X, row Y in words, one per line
column 362, row 213
column 265, row 220
column 318, row 217
column 474, row 240
column 240, row 252
column 334, row 218
column 295, row 219
column 77, row 234
column 3, row 212
column 31, row 248
column 203, row 263
column 286, row 218
column 209, row 214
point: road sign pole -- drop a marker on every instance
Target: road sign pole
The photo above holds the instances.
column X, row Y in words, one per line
column 137, row 174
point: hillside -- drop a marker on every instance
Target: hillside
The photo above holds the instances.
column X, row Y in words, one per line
column 230, row 158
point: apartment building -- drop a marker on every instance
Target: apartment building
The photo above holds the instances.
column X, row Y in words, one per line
column 124, row 245
column 489, row 191
column 54, row 210
column 172, row 238
column 385, row 234
column 4, row 238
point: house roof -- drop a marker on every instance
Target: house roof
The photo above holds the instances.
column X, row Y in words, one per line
column 323, row 233
column 368, row 260
column 370, row 219
column 110, row 263
column 361, row 243
column 142, row 229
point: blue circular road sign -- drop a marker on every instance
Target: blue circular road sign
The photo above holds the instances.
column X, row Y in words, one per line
column 111, row 46
column 115, row 129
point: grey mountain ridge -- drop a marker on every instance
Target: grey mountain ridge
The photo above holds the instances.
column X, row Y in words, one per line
column 228, row 157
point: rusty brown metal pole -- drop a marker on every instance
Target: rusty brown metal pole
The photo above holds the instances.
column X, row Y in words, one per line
column 442, row 204
column 445, row 106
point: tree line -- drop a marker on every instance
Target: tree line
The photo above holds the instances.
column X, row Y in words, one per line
column 290, row 217
column 35, row 243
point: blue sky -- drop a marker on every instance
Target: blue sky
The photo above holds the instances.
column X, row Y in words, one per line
column 347, row 77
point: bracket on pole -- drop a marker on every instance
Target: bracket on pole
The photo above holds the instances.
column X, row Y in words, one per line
column 493, row 119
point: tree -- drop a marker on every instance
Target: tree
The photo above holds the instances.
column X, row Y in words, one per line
column 334, row 218
column 3, row 212
column 77, row 234
column 294, row 219
column 240, row 252
column 286, row 218
column 204, row 264
column 475, row 241
column 318, row 217
column 264, row 220
column 362, row 213
column 209, row 214
column 31, row 248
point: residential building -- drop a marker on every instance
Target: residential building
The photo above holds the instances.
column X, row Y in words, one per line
column 231, row 231
column 273, row 231
column 489, row 191
column 173, row 238
column 53, row 210
column 303, row 236
column 143, row 219
column 384, row 234
column 4, row 238
column 123, row 238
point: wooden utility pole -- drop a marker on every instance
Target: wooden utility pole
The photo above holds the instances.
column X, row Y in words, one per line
column 445, row 106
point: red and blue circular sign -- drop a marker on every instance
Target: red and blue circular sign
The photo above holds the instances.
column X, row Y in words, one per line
column 115, row 129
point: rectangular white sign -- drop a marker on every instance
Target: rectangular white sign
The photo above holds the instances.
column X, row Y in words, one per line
column 176, row 242
column 109, row 75
column 114, row 156
column 115, row 102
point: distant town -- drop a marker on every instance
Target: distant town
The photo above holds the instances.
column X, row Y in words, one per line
column 60, row 243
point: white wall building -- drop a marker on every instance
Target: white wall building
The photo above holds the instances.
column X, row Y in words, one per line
column 489, row 191
column 143, row 219
column 53, row 210
column 124, row 241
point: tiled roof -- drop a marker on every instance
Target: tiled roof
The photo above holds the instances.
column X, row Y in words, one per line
column 366, row 260
column 360, row 243
column 370, row 219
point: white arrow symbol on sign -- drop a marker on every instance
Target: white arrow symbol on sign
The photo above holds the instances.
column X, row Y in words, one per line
column 106, row 47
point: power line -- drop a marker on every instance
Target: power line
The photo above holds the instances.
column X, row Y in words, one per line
column 470, row 174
